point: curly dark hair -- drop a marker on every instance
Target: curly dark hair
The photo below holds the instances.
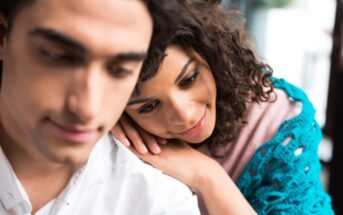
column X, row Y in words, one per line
column 221, row 39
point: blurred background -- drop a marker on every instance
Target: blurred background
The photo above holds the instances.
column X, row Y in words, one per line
column 302, row 41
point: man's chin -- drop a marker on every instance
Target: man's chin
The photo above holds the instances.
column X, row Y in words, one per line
column 70, row 157
column 71, row 162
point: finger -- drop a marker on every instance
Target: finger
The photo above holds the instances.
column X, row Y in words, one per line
column 150, row 141
column 133, row 135
column 118, row 132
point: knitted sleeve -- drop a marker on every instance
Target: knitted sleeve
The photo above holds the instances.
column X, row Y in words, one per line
column 284, row 175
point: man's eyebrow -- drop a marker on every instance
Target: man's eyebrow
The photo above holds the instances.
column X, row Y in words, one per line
column 137, row 101
column 130, row 56
column 184, row 68
column 54, row 36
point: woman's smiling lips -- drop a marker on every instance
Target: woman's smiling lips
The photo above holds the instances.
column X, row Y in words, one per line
column 195, row 129
column 72, row 134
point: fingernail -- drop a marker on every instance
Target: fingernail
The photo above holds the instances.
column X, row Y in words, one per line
column 127, row 142
column 143, row 148
column 156, row 149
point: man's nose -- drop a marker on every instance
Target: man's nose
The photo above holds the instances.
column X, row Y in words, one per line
column 84, row 99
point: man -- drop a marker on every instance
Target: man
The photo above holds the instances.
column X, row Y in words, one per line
column 69, row 67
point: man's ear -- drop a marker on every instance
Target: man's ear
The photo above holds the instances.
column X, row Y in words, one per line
column 3, row 33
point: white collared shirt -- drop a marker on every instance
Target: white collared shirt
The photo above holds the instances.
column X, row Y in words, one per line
column 114, row 181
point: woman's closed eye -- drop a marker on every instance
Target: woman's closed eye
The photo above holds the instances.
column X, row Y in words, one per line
column 188, row 81
column 148, row 107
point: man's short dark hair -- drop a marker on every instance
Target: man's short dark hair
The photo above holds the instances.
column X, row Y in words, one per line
column 10, row 8
column 165, row 14
column 162, row 11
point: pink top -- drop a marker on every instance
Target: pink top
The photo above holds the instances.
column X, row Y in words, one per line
column 263, row 120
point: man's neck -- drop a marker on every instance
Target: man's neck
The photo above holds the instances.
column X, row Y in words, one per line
column 43, row 180
column 45, row 187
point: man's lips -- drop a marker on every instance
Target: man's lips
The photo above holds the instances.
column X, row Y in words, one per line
column 196, row 129
column 73, row 134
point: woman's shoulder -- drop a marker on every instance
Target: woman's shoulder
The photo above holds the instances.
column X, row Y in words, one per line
column 297, row 128
column 263, row 122
column 300, row 115
column 267, row 117
column 284, row 172
column 290, row 112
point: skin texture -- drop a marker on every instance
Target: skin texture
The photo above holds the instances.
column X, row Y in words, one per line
column 69, row 68
column 178, row 109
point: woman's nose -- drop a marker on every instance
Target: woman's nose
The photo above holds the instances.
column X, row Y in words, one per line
column 181, row 112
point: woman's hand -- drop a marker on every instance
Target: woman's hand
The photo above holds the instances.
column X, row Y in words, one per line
column 127, row 132
column 202, row 174
column 186, row 164
column 177, row 159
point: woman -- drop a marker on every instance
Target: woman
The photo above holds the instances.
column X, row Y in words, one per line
column 254, row 148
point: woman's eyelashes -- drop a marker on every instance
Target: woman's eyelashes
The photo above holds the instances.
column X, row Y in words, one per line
column 190, row 79
column 148, row 107
column 185, row 83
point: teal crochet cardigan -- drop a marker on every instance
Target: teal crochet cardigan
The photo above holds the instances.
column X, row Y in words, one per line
column 283, row 176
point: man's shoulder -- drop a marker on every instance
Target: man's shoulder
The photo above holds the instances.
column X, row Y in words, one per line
column 125, row 178
column 115, row 156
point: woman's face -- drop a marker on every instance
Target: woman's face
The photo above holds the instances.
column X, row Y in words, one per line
column 179, row 101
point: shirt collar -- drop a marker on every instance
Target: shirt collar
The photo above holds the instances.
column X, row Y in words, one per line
column 92, row 173
column 15, row 199
column 12, row 198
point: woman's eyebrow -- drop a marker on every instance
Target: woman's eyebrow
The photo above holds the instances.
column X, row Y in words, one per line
column 183, row 70
column 138, row 100
column 135, row 101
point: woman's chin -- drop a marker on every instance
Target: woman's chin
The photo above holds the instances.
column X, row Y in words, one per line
column 197, row 139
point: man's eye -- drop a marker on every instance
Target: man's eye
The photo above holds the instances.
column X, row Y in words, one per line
column 148, row 108
column 59, row 57
column 119, row 72
column 190, row 80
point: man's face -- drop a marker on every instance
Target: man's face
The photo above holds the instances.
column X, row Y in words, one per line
column 69, row 69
